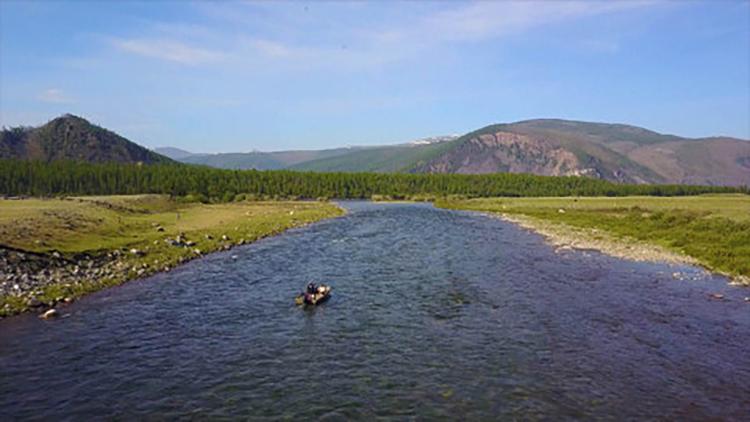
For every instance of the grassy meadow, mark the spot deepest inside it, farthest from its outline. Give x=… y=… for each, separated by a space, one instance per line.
x=712 y=229
x=133 y=235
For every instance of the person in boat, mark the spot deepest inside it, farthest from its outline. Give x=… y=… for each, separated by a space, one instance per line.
x=310 y=292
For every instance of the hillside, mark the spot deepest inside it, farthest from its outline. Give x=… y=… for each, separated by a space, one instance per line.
x=73 y=138
x=609 y=151
x=386 y=158
x=553 y=147
x=392 y=158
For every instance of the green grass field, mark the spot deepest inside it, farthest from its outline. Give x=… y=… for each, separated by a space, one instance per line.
x=98 y=226
x=94 y=224
x=713 y=229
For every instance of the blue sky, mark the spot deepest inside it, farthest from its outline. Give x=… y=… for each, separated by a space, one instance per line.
x=241 y=76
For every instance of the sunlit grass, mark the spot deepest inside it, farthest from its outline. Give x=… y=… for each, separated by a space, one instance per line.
x=99 y=226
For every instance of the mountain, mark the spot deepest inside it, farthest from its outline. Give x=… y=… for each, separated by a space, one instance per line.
x=388 y=158
x=614 y=152
x=174 y=153
x=260 y=160
x=73 y=138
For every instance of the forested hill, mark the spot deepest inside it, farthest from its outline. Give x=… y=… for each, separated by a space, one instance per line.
x=73 y=138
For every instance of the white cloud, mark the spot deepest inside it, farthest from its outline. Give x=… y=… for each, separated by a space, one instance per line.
x=55 y=96
x=271 y=48
x=487 y=20
x=273 y=33
x=169 y=50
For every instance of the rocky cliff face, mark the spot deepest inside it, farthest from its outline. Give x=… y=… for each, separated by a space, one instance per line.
x=506 y=152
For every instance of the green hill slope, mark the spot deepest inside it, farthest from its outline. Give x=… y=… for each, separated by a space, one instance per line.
x=395 y=158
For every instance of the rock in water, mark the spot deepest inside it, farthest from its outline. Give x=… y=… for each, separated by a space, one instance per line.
x=51 y=313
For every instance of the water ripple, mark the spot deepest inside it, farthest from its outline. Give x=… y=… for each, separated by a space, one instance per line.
x=435 y=314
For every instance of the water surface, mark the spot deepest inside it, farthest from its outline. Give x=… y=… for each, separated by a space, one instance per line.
x=434 y=314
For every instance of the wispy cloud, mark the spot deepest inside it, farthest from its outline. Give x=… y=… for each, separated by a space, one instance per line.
x=385 y=42
x=55 y=96
x=169 y=50
x=486 y=20
x=272 y=48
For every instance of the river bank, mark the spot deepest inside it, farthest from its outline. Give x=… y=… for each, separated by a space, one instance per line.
x=712 y=231
x=56 y=250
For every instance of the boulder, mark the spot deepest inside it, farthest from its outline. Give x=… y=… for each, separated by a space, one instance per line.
x=50 y=313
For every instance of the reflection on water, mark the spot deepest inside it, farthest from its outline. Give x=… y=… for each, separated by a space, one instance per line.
x=434 y=314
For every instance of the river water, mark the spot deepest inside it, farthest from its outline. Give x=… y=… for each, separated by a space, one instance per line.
x=434 y=314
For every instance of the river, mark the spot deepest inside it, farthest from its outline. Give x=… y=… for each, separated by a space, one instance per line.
x=434 y=314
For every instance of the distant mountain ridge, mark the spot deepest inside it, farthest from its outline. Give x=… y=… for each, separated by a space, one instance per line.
x=382 y=158
x=70 y=137
x=174 y=153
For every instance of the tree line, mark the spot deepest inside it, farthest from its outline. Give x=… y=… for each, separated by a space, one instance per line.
x=35 y=178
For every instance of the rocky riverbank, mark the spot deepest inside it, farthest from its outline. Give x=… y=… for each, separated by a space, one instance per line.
x=565 y=237
x=28 y=279
x=54 y=251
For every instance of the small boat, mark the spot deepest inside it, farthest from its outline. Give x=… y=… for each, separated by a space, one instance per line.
x=322 y=293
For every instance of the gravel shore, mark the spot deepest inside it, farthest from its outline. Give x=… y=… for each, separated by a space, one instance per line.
x=563 y=236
